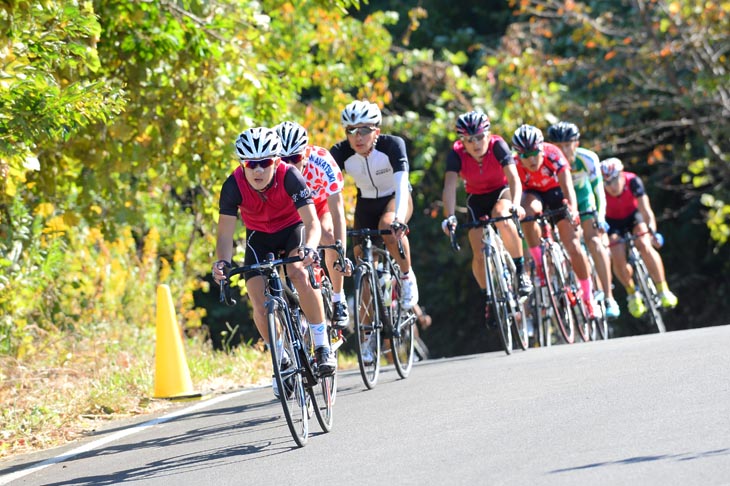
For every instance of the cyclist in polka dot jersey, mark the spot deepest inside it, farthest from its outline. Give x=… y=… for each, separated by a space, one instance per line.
x=325 y=181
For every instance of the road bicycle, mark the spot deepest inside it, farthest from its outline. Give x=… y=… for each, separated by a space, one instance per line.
x=504 y=307
x=557 y=292
x=291 y=344
x=643 y=281
x=379 y=309
x=599 y=327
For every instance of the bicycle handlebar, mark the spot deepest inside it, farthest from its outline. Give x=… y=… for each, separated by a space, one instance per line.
x=342 y=261
x=267 y=266
x=368 y=233
x=481 y=223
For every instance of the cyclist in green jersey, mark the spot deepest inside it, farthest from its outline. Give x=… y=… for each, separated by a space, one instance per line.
x=588 y=183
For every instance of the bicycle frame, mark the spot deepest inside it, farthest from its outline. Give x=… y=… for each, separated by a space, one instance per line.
x=643 y=281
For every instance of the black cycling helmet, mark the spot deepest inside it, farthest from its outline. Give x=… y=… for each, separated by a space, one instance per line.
x=527 y=139
x=563 y=132
x=472 y=123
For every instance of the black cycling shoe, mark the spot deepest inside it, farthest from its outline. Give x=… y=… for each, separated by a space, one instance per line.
x=326 y=361
x=524 y=285
x=340 y=315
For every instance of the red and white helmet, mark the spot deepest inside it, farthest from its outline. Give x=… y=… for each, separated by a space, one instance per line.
x=472 y=123
x=611 y=168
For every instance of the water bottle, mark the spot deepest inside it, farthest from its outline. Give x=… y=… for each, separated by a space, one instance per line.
x=659 y=238
x=385 y=283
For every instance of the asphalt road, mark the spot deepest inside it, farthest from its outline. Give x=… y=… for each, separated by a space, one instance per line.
x=649 y=410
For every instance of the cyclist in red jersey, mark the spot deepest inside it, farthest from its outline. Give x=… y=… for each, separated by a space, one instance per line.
x=485 y=163
x=546 y=180
x=628 y=210
x=277 y=209
x=326 y=182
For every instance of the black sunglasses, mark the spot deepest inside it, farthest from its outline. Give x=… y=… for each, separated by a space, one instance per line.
x=263 y=163
x=293 y=159
x=362 y=131
x=474 y=138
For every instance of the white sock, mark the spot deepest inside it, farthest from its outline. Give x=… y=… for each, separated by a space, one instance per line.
x=320 y=334
x=336 y=297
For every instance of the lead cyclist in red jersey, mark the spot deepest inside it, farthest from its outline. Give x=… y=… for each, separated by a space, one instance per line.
x=325 y=180
x=546 y=180
x=628 y=210
x=277 y=210
x=485 y=163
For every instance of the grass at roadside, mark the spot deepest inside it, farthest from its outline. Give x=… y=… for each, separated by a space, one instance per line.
x=67 y=391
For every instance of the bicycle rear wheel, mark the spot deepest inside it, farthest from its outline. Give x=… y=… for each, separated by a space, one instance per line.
x=499 y=309
x=287 y=366
x=583 y=323
x=600 y=323
x=322 y=390
x=556 y=285
x=650 y=294
x=367 y=325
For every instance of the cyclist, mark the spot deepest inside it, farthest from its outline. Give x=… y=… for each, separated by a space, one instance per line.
x=278 y=212
x=485 y=163
x=379 y=166
x=588 y=185
x=545 y=176
x=628 y=210
x=325 y=180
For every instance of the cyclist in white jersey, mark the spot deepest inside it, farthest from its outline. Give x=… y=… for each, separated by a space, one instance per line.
x=379 y=166
x=588 y=184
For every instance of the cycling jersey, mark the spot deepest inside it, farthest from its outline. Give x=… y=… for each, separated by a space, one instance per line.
x=546 y=176
x=322 y=175
x=485 y=175
x=270 y=210
x=383 y=172
x=626 y=203
x=588 y=182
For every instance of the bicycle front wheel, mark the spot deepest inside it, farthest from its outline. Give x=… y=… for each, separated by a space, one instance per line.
x=496 y=286
x=286 y=365
x=402 y=342
x=600 y=323
x=367 y=325
x=650 y=294
x=582 y=321
x=517 y=306
x=559 y=299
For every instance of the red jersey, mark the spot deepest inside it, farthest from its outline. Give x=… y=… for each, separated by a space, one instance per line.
x=626 y=203
x=271 y=210
x=546 y=177
x=324 y=178
x=485 y=175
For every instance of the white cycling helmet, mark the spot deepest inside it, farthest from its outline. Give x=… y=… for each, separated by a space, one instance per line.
x=293 y=137
x=361 y=112
x=611 y=168
x=258 y=143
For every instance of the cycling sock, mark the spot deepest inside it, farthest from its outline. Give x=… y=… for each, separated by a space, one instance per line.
x=586 y=287
x=336 y=297
x=320 y=336
x=662 y=287
x=519 y=264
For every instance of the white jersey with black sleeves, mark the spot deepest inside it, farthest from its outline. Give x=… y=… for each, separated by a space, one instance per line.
x=375 y=174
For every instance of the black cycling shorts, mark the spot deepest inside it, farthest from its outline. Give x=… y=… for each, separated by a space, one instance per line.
x=259 y=244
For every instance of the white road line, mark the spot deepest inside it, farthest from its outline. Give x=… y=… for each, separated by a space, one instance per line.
x=116 y=436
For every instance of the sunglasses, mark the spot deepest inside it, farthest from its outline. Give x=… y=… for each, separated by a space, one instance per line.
x=293 y=159
x=529 y=154
x=474 y=138
x=362 y=131
x=610 y=181
x=253 y=164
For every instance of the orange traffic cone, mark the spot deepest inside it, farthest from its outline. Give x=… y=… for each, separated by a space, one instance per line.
x=172 y=376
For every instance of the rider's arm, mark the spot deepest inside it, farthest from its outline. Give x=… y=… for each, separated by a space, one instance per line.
x=515 y=185
x=451 y=181
x=336 y=206
x=646 y=212
x=312 y=229
x=401 y=195
x=566 y=184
